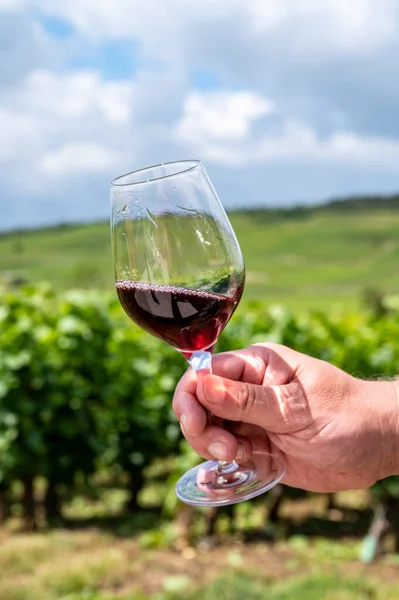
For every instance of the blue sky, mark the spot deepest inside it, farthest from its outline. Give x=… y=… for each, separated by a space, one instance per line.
x=284 y=101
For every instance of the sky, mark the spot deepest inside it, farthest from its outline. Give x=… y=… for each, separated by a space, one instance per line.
x=284 y=101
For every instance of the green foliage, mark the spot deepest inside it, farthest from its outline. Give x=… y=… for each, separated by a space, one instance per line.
x=136 y=419
x=82 y=390
x=52 y=366
x=386 y=487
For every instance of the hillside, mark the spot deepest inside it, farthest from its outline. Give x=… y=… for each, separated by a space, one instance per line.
x=303 y=257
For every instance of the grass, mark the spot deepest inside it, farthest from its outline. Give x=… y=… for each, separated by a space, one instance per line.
x=57 y=564
x=317 y=260
x=91 y=565
x=315 y=587
x=321 y=259
x=100 y=563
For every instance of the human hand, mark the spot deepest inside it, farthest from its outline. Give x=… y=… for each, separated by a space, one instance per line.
x=333 y=431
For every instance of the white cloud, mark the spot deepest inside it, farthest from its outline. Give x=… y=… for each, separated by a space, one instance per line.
x=355 y=25
x=24 y=45
x=46 y=112
x=298 y=143
x=16 y=128
x=11 y=5
x=336 y=23
x=78 y=157
x=321 y=53
x=300 y=84
x=220 y=115
x=75 y=95
x=109 y=19
x=64 y=132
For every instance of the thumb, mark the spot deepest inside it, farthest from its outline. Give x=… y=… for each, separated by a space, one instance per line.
x=278 y=409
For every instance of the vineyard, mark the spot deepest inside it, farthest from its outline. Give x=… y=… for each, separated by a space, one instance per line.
x=85 y=396
x=88 y=439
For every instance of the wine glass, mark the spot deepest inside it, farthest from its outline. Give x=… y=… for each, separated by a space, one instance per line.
x=180 y=275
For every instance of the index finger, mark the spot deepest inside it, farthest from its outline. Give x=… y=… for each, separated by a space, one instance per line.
x=190 y=413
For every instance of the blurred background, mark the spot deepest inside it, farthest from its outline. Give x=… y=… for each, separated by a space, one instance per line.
x=292 y=107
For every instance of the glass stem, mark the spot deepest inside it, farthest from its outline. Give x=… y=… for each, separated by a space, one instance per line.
x=201 y=362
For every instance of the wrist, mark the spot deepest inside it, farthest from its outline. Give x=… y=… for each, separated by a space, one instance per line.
x=395 y=425
x=385 y=396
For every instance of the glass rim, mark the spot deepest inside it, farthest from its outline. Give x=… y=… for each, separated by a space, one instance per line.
x=194 y=164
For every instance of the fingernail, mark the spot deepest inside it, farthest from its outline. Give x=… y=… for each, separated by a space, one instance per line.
x=218 y=450
x=241 y=452
x=185 y=424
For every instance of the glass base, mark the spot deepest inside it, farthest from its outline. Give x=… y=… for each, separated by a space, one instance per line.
x=219 y=484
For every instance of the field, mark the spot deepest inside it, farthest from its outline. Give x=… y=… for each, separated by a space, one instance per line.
x=314 y=258
x=303 y=259
x=93 y=563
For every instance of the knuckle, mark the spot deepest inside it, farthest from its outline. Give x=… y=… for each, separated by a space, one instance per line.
x=246 y=398
x=293 y=409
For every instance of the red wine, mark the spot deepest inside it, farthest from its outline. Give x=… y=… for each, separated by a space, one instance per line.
x=188 y=320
